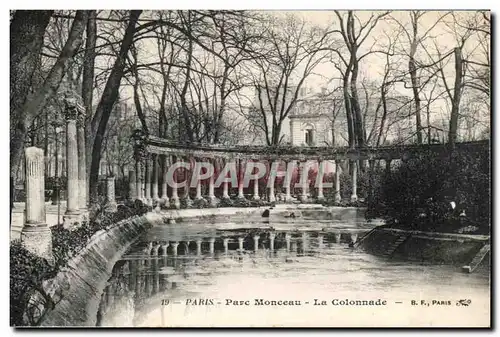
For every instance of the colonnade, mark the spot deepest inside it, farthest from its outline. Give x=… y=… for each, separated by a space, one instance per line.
x=148 y=182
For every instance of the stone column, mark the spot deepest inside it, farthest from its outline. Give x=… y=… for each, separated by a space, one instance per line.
x=388 y=166
x=175 y=245
x=240 y=180
x=175 y=197
x=354 y=195
x=211 y=243
x=132 y=181
x=211 y=189
x=354 y=238
x=36 y=236
x=198 y=190
x=225 y=189
x=164 y=187
x=338 y=197
x=72 y=213
x=321 y=171
x=240 y=244
x=338 y=237
x=303 y=181
x=371 y=164
x=165 y=248
x=272 y=236
x=226 y=245
x=110 y=194
x=256 y=195
x=271 y=178
x=82 y=166
x=154 y=188
x=256 y=243
x=305 y=247
x=198 y=247
x=138 y=180
x=288 y=194
x=147 y=189
x=288 y=238
x=185 y=195
x=320 y=241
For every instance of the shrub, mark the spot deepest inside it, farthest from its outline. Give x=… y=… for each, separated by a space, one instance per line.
x=430 y=182
x=28 y=271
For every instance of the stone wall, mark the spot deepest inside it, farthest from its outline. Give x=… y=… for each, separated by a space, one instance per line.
x=77 y=289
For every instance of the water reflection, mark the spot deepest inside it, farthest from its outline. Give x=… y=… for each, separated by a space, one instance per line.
x=167 y=265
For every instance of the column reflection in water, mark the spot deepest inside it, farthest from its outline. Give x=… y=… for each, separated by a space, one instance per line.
x=256 y=243
x=165 y=249
x=320 y=241
x=175 y=245
x=198 y=247
x=337 y=238
x=305 y=239
x=272 y=236
x=354 y=237
x=157 y=277
x=288 y=238
x=212 y=246
x=131 y=275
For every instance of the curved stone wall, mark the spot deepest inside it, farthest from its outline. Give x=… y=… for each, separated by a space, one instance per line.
x=77 y=289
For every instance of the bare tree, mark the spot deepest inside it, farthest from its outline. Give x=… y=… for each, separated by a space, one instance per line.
x=290 y=51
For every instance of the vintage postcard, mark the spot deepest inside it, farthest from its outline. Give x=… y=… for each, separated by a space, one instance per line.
x=226 y=168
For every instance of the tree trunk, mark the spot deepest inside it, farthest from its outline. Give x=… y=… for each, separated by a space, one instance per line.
x=348 y=111
x=88 y=81
x=26 y=41
x=108 y=99
x=415 y=87
x=50 y=85
x=455 y=104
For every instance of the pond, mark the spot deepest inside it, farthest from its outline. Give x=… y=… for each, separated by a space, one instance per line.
x=290 y=272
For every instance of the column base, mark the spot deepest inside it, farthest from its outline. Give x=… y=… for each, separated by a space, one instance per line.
x=226 y=196
x=213 y=201
x=288 y=198
x=165 y=203
x=149 y=201
x=71 y=219
x=338 y=198
x=272 y=198
x=84 y=215
x=176 y=202
x=111 y=207
x=38 y=240
x=303 y=198
x=256 y=197
x=320 y=198
x=188 y=201
x=354 y=198
x=240 y=197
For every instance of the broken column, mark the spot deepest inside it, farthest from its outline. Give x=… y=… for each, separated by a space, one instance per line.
x=35 y=235
x=132 y=192
x=110 y=194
